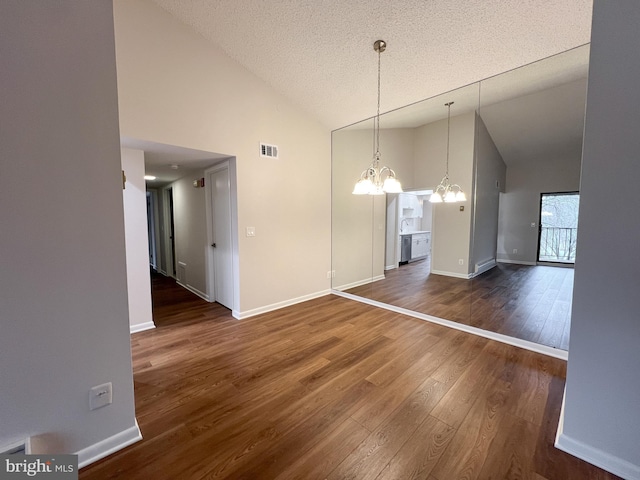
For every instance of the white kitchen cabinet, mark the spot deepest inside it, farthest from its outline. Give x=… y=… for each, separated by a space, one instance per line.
x=420 y=245
x=410 y=206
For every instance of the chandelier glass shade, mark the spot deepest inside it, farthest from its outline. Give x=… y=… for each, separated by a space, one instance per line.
x=446 y=191
x=377 y=180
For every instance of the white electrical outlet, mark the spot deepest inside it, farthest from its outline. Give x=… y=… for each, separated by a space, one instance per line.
x=333 y=274
x=329 y=274
x=461 y=261
x=251 y=231
x=100 y=396
x=515 y=250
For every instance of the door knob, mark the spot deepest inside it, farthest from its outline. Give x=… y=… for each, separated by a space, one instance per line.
x=213 y=245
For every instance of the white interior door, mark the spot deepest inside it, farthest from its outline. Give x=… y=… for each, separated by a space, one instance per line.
x=221 y=235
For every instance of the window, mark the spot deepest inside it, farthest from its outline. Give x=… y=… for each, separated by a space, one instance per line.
x=558 y=227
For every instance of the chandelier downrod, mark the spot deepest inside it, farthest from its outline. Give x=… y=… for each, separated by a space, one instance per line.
x=446 y=191
x=375 y=180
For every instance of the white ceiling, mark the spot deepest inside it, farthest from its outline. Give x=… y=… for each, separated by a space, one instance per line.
x=545 y=125
x=159 y=158
x=319 y=53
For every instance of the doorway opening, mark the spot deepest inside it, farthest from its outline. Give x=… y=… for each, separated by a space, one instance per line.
x=558 y=227
x=408 y=228
x=171 y=244
x=182 y=224
x=151 y=229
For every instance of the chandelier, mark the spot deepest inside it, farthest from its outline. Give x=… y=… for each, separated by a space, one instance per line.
x=446 y=191
x=376 y=180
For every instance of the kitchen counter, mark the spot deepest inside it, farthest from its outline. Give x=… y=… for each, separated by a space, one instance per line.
x=414 y=245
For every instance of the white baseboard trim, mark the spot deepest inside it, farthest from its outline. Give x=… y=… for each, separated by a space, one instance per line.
x=359 y=283
x=390 y=267
x=110 y=445
x=466 y=276
x=556 y=264
x=517 y=262
x=498 y=337
x=141 y=327
x=20 y=445
x=278 y=305
x=484 y=267
x=594 y=456
x=194 y=290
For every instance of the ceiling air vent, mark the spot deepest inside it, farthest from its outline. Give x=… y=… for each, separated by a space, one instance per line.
x=270 y=151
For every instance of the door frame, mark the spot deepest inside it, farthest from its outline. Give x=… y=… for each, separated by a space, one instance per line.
x=168 y=231
x=550 y=262
x=151 y=197
x=230 y=165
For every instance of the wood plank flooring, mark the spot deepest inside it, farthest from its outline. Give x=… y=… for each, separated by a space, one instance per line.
x=527 y=302
x=335 y=389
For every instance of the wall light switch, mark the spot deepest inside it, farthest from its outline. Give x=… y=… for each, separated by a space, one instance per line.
x=251 y=231
x=533 y=224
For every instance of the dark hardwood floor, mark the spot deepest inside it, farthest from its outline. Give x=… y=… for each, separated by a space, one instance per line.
x=336 y=389
x=527 y=302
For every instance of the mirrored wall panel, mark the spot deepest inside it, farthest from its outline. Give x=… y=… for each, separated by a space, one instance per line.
x=507 y=140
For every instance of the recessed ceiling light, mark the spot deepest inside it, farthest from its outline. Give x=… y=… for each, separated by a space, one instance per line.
x=149 y=177
x=174 y=166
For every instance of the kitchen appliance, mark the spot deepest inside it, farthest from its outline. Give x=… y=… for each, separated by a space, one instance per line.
x=405 y=249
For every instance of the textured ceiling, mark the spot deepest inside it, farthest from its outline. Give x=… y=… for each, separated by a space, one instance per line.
x=533 y=113
x=319 y=53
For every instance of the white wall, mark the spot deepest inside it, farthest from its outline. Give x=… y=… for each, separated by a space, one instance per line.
x=490 y=172
x=190 y=222
x=358 y=221
x=520 y=204
x=601 y=420
x=134 y=197
x=63 y=286
x=177 y=88
x=451 y=228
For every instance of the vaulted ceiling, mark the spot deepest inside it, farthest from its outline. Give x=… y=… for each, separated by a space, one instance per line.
x=319 y=53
